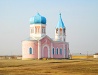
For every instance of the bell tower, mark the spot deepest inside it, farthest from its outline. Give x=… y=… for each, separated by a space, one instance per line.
x=60 y=30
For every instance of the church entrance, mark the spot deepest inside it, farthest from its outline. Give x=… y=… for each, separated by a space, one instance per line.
x=45 y=52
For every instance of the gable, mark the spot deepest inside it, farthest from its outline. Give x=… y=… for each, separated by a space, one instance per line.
x=46 y=40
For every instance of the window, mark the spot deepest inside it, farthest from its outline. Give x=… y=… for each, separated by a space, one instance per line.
x=37 y=30
x=60 y=31
x=57 y=30
x=64 y=30
x=42 y=30
x=30 y=50
x=53 y=51
x=57 y=51
x=60 y=51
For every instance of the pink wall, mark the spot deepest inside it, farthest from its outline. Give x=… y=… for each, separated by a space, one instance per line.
x=45 y=45
x=58 y=45
x=25 y=49
x=47 y=41
x=67 y=49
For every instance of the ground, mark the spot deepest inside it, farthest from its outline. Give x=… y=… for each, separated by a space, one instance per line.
x=49 y=67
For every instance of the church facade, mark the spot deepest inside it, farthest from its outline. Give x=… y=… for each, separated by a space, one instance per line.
x=39 y=45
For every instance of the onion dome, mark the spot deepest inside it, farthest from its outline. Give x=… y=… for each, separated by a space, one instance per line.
x=60 y=22
x=37 y=19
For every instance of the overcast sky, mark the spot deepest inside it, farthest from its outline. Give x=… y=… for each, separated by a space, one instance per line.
x=79 y=16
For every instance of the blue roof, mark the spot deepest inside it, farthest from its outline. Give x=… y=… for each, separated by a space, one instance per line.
x=37 y=19
x=60 y=23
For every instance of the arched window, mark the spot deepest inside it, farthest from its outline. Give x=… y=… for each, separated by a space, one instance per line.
x=60 y=31
x=64 y=30
x=30 y=50
x=60 y=51
x=57 y=30
x=42 y=30
x=57 y=51
x=53 y=51
x=37 y=30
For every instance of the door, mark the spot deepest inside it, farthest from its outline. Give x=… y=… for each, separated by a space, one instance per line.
x=45 y=52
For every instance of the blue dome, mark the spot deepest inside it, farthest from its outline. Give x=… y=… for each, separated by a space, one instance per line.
x=37 y=19
x=60 y=23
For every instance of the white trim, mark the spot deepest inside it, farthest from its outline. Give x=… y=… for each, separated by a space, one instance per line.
x=67 y=51
x=56 y=51
x=63 y=50
x=38 y=30
x=52 y=50
x=31 y=25
x=39 y=50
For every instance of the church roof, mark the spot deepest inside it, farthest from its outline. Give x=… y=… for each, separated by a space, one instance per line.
x=37 y=19
x=40 y=38
x=60 y=22
x=35 y=38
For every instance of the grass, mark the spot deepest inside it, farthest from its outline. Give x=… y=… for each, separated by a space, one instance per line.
x=81 y=57
x=49 y=67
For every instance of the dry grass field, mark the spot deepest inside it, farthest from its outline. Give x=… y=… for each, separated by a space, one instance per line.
x=49 y=67
x=82 y=57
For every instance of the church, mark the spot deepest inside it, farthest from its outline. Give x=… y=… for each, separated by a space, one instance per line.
x=39 y=45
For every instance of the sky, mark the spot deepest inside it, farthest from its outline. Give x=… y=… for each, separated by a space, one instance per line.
x=80 y=18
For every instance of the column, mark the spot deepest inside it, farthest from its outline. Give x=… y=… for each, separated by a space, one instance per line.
x=51 y=50
x=58 y=34
x=67 y=50
x=39 y=49
x=48 y=52
x=63 y=50
x=41 y=31
x=34 y=29
x=62 y=34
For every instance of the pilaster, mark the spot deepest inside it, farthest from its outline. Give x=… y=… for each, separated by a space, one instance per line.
x=51 y=50
x=64 y=51
x=39 y=49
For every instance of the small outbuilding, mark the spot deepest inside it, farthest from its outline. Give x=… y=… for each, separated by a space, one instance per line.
x=96 y=55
